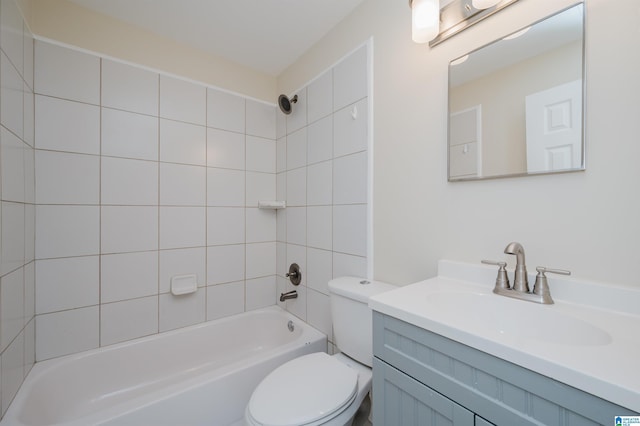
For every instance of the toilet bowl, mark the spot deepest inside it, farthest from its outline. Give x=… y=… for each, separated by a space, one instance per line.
x=322 y=389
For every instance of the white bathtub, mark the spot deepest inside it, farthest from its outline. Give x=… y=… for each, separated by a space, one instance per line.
x=199 y=375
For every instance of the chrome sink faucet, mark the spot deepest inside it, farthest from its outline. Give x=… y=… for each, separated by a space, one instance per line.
x=520 y=289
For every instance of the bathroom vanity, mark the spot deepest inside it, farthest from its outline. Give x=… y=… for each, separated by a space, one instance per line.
x=449 y=351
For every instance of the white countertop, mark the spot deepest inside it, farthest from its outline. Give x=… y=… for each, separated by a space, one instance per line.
x=603 y=360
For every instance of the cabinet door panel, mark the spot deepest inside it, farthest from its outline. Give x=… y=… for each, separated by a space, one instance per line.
x=399 y=400
x=482 y=422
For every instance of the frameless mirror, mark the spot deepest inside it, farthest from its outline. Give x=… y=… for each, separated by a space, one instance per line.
x=516 y=105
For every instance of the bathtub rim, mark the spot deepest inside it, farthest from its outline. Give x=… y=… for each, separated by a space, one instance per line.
x=12 y=416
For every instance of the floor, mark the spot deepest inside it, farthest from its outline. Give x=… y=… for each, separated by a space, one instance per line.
x=362 y=416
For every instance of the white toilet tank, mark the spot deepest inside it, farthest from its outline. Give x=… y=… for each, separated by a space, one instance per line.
x=352 y=317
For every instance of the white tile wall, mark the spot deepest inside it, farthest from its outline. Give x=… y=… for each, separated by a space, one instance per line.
x=261 y=154
x=261 y=260
x=12 y=365
x=319 y=268
x=128 y=228
x=320 y=97
x=225 y=149
x=319 y=312
x=181 y=311
x=128 y=276
x=182 y=185
x=11 y=33
x=67 y=74
x=225 y=264
x=65 y=231
x=64 y=125
x=260 y=225
x=11 y=96
x=261 y=292
x=260 y=119
x=322 y=170
x=349 y=134
x=225 y=299
x=13 y=236
x=260 y=186
x=297 y=225
x=174 y=173
x=11 y=306
x=183 y=143
x=350 y=179
x=297 y=149
x=225 y=111
x=225 y=225
x=182 y=100
x=12 y=166
x=297 y=187
x=320 y=140
x=320 y=184
x=182 y=262
x=319 y=227
x=225 y=187
x=17 y=198
x=66 y=332
x=182 y=227
x=129 y=182
x=128 y=320
x=66 y=178
x=350 y=79
x=298 y=117
x=67 y=283
x=350 y=229
x=129 y=135
x=129 y=88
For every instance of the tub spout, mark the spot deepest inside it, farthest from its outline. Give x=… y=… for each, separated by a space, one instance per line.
x=288 y=295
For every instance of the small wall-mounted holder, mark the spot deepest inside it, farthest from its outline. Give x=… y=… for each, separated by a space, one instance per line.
x=294 y=274
x=184 y=284
x=460 y=15
x=272 y=205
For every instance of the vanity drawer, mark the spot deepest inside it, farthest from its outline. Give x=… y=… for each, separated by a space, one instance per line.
x=495 y=389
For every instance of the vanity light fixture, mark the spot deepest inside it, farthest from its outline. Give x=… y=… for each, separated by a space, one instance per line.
x=458 y=15
x=425 y=20
x=484 y=4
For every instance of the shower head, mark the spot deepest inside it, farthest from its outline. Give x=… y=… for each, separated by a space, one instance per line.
x=285 y=103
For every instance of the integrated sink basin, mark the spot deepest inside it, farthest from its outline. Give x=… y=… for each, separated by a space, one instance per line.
x=514 y=318
x=587 y=339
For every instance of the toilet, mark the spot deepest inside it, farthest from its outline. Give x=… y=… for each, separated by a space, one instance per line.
x=322 y=389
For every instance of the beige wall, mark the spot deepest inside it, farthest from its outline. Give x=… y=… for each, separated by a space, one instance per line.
x=502 y=96
x=586 y=222
x=68 y=23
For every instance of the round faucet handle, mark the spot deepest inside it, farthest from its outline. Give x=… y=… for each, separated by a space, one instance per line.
x=543 y=269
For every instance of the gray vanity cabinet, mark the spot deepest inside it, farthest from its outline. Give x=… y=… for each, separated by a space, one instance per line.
x=408 y=402
x=421 y=378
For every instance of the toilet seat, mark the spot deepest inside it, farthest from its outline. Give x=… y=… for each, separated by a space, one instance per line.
x=308 y=390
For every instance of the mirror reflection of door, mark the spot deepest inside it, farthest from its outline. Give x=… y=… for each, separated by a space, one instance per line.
x=554 y=128
x=465 y=143
x=500 y=76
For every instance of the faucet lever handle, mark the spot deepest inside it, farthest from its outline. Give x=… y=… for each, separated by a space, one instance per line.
x=495 y=262
x=541 y=287
x=543 y=269
x=502 y=280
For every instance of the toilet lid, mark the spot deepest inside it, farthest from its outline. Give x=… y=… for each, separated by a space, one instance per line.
x=303 y=390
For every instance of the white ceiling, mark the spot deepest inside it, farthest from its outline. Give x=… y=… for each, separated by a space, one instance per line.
x=267 y=35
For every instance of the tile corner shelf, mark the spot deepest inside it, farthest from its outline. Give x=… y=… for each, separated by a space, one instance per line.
x=273 y=205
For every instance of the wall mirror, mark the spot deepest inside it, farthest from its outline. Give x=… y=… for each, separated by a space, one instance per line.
x=516 y=106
